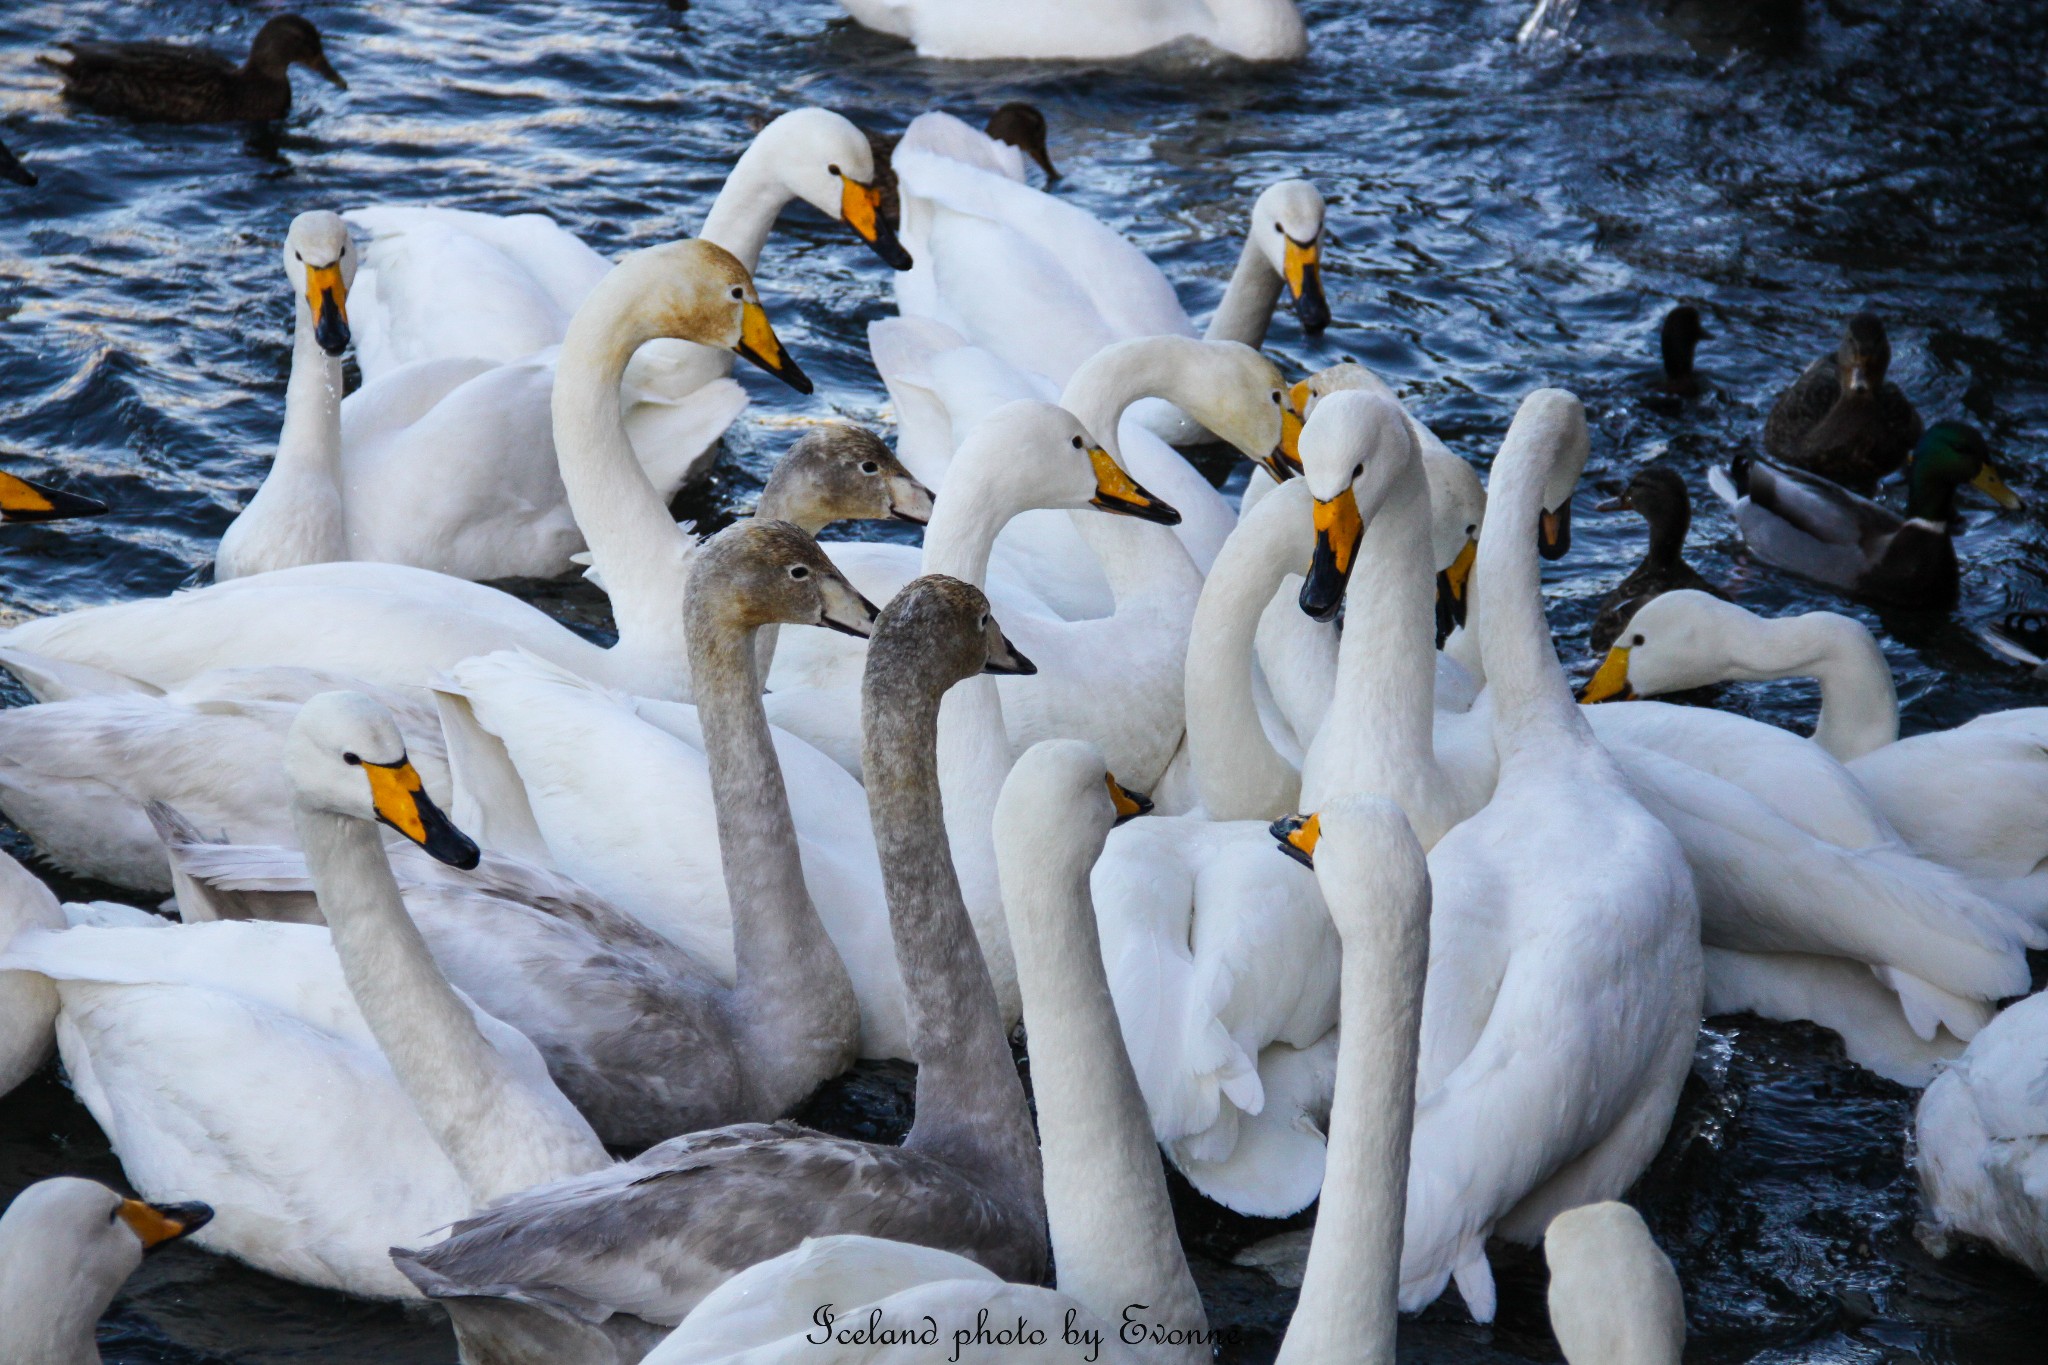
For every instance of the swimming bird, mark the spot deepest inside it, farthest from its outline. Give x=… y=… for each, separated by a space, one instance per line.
x=66 y=1248
x=1676 y=341
x=1021 y=125
x=12 y=169
x=974 y=30
x=1822 y=531
x=172 y=83
x=1657 y=493
x=1842 y=419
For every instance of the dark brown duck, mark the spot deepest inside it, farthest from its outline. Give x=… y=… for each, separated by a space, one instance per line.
x=1842 y=419
x=175 y=83
x=1019 y=124
x=1659 y=495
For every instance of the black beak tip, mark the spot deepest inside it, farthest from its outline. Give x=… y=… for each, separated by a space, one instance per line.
x=792 y=375
x=333 y=337
x=454 y=848
x=1138 y=799
x=1557 y=548
x=1280 y=830
x=1313 y=310
x=189 y=1217
x=62 y=505
x=890 y=250
x=1016 y=665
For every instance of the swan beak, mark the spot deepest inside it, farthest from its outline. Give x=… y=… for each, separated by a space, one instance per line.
x=1299 y=397
x=1554 y=535
x=327 y=296
x=1298 y=835
x=402 y=803
x=1610 y=680
x=1005 y=659
x=861 y=208
x=845 y=610
x=155 y=1224
x=1339 y=528
x=1116 y=491
x=21 y=500
x=909 y=500
x=1305 y=285
x=1285 y=461
x=1129 y=804
x=759 y=344
x=1452 y=582
x=1988 y=483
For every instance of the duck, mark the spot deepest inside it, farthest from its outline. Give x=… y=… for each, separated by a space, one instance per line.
x=647 y=1037
x=967 y=1179
x=1841 y=419
x=1108 y=1215
x=395 y=625
x=1657 y=492
x=1677 y=339
x=67 y=1245
x=1978 y=1142
x=12 y=170
x=1970 y=797
x=1252 y=30
x=172 y=83
x=1822 y=531
x=1018 y=124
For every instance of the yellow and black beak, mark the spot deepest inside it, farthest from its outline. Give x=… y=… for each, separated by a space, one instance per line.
x=1298 y=835
x=1992 y=486
x=1554 y=532
x=155 y=1224
x=1116 y=491
x=861 y=208
x=1304 y=273
x=759 y=344
x=1451 y=588
x=1610 y=680
x=1339 y=528
x=1129 y=804
x=21 y=500
x=402 y=803
x=327 y=297
x=1285 y=461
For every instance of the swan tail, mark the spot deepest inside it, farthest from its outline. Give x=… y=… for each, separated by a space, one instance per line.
x=49 y=679
x=490 y=799
x=1474 y=1278
x=1928 y=1008
x=1723 y=486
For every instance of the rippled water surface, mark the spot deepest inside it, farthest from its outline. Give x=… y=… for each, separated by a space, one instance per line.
x=1504 y=218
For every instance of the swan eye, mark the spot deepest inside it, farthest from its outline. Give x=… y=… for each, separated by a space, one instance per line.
x=1471 y=531
x=799 y=572
x=298 y=257
x=1278 y=228
x=1077 y=443
x=1636 y=642
x=738 y=292
x=870 y=467
x=352 y=760
x=1357 y=470
x=1276 y=397
x=836 y=171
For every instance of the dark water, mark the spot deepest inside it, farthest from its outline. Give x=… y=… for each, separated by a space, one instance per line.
x=1504 y=219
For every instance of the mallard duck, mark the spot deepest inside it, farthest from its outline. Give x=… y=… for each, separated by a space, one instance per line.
x=1842 y=419
x=1802 y=522
x=175 y=83
x=1017 y=123
x=12 y=169
x=1678 y=340
x=1658 y=493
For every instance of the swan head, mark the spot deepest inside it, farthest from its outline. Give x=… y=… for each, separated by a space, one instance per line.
x=320 y=261
x=1287 y=225
x=693 y=290
x=824 y=160
x=1556 y=419
x=1028 y=455
x=86 y=1241
x=1687 y=638
x=936 y=632
x=841 y=472
x=758 y=573
x=1457 y=513
x=345 y=756
x=1353 y=448
x=1366 y=858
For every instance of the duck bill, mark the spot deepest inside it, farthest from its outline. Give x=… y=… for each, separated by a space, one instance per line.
x=860 y=207
x=1610 y=680
x=759 y=344
x=1338 y=531
x=1452 y=583
x=21 y=500
x=1304 y=272
x=402 y=803
x=1859 y=380
x=845 y=610
x=327 y=297
x=1298 y=836
x=156 y=1224
x=1005 y=660
x=1116 y=491
x=323 y=67
x=1988 y=483
x=909 y=500
x=1554 y=533
x=1129 y=804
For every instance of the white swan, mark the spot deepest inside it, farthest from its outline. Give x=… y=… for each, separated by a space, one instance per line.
x=1980 y=1141
x=66 y=1248
x=1113 y=1234
x=396 y=626
x=1974 y=797
x=970 y=30
x=1614 y=1298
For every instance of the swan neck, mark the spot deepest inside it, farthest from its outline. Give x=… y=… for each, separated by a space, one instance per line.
x=311 y=435
x=48 y=1310
x=747 y=205
x=1138 y=558
x=1248 y=301
x=975 y=757
x=1531 y=699
x=1859 y=702
x=1239 y=774
x=965 y=522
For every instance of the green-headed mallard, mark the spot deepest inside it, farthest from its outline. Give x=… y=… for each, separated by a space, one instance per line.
x=174 y=83
x=1804 y=523
x=1842 y=420
x=1658 y=493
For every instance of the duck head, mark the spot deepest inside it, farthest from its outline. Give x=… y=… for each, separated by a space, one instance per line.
x=1949 y=456
x=1023 y=127
x=320 y=261
x=1287 y=227
x=288 y=41
x=1863 y=356
x=346 y=757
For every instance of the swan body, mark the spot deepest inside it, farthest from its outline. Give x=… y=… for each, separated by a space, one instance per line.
x=971 y=30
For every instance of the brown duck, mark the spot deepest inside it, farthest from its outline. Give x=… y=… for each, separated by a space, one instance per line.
x=173 y=83
x=1658 y=494
x=1842 y=420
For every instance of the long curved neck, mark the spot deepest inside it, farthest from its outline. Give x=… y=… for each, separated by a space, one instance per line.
x=1859 y=703
x=748 y=203
x=297 y=516
x=966 y=519
x=1248 y=301
x=47 y=1312
x=637 y=548
x=1350 y=1289
x=970 y=1104
x=1113 y=1235
x=975 y=756
x=1239 y=775
x=792 y=997
x=500 y=1135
